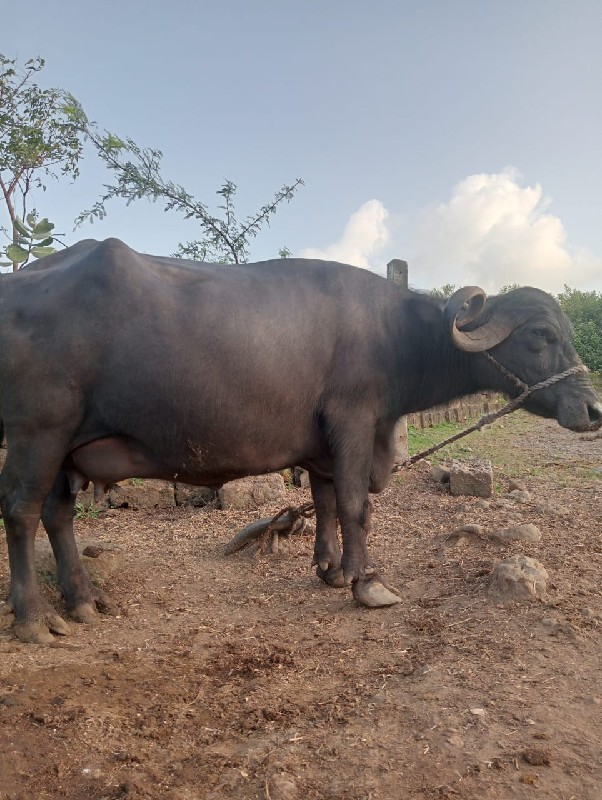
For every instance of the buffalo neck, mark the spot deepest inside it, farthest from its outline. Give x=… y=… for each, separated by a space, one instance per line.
x=429 y=369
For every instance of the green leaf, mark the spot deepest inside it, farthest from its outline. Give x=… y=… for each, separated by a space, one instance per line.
x=31 y=218
x=6 y=263
x=20 y=226
x=16 y=254
x=45 y=242
x=42 y=229
x=40 y=252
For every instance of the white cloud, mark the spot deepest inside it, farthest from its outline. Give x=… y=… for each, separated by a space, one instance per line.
x=494 y=232
x=365 y=234
x=491 y=232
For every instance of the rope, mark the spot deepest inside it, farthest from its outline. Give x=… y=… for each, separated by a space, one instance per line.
x=307 y=509
x=487 y=419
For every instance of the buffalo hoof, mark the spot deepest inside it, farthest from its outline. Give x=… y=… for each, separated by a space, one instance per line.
x=40 y=631
x=84 y=612
x=372 y=593
x=333 y=576
x=87 y=611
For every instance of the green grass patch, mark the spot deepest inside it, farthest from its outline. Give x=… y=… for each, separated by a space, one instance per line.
x=422 y=438
x=84 y=511
x=503 y=443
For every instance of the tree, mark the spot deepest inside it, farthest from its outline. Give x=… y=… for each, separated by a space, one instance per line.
x=137 y=175
x=443 y=292
x=40 y=138
x=584 y=309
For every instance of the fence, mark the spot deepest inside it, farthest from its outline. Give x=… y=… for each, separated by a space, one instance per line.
x=461 y=410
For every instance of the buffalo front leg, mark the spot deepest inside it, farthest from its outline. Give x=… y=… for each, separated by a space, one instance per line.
x=81 y=598
x=327 y=550
x=354 y=509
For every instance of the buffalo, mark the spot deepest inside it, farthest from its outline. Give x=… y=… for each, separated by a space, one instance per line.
x=117 y=365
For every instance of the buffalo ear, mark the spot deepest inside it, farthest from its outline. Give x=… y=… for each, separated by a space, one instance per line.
x=465 y=307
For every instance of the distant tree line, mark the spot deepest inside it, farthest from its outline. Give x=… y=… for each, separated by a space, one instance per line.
x=584 y=309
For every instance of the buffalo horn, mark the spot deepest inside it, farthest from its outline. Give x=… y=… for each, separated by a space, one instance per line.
x=462 y=308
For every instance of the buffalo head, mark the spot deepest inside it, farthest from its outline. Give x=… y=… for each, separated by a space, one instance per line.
x=528 y=333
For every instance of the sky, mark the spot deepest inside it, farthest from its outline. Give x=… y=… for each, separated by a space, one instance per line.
x=464 y=137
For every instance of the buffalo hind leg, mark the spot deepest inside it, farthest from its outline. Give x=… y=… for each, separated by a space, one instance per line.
x=327 y=550
x=81 y=598
x=25 y=481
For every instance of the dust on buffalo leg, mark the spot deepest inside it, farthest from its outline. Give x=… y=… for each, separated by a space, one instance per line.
x=81 y=598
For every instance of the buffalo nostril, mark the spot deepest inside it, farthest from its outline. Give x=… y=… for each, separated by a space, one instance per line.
x=595 y=414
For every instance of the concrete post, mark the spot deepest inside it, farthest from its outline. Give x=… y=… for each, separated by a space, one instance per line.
x=397 y=271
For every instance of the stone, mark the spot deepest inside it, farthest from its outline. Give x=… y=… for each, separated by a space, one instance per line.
x=440 y=473
x=517 y=484
x=552 y=510
x=197 y=496
x=252 y=492
x=461 y=537
x=301 y=478
x=520 y=496
x=471 y=477
x=503 y=502
x=138 y=494
x=519 y=578
x=101 y=560
x=519 y=533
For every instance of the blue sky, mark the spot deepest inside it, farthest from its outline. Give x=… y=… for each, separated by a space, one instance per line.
x=463 y=136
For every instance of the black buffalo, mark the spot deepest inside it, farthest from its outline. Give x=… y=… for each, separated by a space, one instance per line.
x=116 y=365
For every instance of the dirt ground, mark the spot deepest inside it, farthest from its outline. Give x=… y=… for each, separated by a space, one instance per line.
x=246 y=677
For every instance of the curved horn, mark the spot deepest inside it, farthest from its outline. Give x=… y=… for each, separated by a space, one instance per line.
x=462 y=308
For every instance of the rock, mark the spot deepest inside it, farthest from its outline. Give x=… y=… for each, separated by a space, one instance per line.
x=519 y=578
x=472 y=477
x=520 y=496
x=249 y=493
x=440 y=473
x=551 y=510
x=101 y=560
x=503 y=503
x=483 y=504
x=518 y=485
x=141 y=494
x=301 y=478
x=520 y=533
x=536 y=757
x=462 y=536
x=197 y=496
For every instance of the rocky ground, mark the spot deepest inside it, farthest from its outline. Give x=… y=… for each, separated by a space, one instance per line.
x=245 y=677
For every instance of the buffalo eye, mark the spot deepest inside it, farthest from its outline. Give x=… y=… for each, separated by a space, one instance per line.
x=542 y=335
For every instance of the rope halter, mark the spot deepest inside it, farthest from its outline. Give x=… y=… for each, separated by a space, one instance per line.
x=510 y=406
